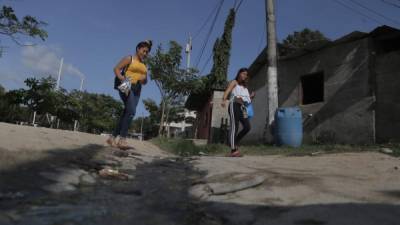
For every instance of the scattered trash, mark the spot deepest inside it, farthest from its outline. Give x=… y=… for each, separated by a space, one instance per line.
x=316 y=153
x=113 y=174
x=202 y=153
x=386 y=150
x=193 y=158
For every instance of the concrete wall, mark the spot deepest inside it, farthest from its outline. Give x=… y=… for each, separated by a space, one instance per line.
x=388 y=97
x=257 y=123
x=213 y=120
x=345 y=115
x=220 y=119
x=203 y=127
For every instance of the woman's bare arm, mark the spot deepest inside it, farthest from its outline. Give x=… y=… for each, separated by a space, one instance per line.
x=117 y=69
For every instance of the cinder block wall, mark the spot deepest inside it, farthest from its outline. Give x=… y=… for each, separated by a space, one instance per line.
x=388 y=97
x=345 y=115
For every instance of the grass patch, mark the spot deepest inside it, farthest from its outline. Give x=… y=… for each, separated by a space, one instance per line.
x=184 y=148
x=396 y=152
x=395 y=147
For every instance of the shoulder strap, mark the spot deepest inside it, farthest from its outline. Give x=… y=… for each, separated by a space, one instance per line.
x=127 y=66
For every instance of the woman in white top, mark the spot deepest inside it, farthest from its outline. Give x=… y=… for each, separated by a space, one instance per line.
x=239 y=98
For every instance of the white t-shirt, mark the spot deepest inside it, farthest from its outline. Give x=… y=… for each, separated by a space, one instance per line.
x=241 y=92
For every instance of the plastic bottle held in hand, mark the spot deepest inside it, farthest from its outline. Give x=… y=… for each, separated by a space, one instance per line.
x=125 y=86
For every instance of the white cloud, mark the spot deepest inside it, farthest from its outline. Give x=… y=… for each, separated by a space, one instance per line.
x=46 y=60
x=11 y=80
x=73 y=70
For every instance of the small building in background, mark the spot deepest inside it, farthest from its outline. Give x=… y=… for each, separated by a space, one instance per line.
x=212 y=119
x=183 y=128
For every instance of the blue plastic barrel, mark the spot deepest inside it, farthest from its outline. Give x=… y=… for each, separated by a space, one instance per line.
x=289 y=126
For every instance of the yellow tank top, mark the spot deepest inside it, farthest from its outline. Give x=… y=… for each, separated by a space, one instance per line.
x=136 y=71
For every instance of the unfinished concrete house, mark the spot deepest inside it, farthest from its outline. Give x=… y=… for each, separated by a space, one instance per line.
x=348 y=89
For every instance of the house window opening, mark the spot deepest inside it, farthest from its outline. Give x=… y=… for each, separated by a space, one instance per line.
x=312 y=88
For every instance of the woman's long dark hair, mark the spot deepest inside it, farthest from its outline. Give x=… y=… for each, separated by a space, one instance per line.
x=244 y=82
x=147 y=43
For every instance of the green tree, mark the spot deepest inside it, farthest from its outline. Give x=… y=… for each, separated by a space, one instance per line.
x=2 y=90
x=150 y=129
x=172 y=81
x=40 y=95
x=299 y=40
x=13 y=27
x=97 y=112
x=154 y=110
x=221 y=54
x=11 y=109
x=2 y=100
x=176 y=111
x=219 y=71
x=67 y=107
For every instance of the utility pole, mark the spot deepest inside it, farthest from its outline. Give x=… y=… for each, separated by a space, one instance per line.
x=59 y=74
x=272 y=72
x=141 y=128
x=57 y=88
x=80 y=89
x=188 y=51
x=34 y=118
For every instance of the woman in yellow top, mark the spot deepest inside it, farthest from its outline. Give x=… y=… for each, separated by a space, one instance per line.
x=136 y=71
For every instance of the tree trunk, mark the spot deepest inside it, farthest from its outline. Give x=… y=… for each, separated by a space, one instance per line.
x=166 y=121
x=162 y=117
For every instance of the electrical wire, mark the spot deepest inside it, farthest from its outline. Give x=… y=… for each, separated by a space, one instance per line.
x=209 y=33
x=206 y=21
x=375 y=12
x=358 y=12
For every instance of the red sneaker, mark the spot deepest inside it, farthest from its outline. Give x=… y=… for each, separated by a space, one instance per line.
x=235 y=154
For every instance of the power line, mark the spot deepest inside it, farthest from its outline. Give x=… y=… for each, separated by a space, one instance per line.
x=391 y=3
x=209 y=33
x=358 y=12
x=238 y=6
x=208 y=61
x=375 y=12
x=206 y=21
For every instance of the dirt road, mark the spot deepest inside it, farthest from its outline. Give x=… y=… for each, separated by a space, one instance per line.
x=52 y=177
